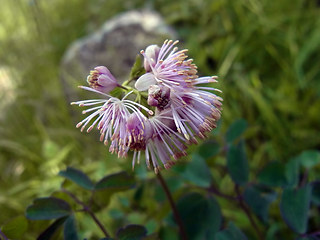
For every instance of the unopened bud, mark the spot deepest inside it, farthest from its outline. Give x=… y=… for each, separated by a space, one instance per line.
x=102 y=80
x=159 y=96
x=151 y=54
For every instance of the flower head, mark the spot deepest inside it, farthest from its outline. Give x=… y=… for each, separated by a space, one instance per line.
x=168 y=67
x=184 y=110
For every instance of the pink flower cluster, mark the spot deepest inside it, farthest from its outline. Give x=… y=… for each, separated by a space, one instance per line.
x=161 y=115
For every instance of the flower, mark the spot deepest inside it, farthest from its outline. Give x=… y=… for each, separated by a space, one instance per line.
x=168 y=67
x=183 y=109
x=111 y=118
x=172 y=82
x=102 y=80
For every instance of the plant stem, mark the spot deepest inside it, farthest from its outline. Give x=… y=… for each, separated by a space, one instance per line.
x=316 y=233
x=88 y=210
x=2 y=235
x=216 y=191
x=247 y=212
x=177 y=217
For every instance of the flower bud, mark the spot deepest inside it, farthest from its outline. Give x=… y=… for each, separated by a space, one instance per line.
x=102 y=80
x=151 y=54
x=159 y=96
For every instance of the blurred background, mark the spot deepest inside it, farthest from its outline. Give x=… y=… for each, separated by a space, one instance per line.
x=266 y=54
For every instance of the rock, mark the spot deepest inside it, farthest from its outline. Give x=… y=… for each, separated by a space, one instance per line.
x=115 y=45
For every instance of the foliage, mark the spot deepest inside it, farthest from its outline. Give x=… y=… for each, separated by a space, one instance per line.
x=266 y=166
x=207 y=210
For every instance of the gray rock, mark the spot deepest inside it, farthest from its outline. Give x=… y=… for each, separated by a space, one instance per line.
x=115 y=46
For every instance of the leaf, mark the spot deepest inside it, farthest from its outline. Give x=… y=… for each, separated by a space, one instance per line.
x=230 y=233
x=309 y=158
x=48 y=208
x=273 y=230
x=77 y=177
x=273 y=175
x=214 y=219
x=236 y=129
x=294 y=208
x=198 y=172
x=137 y=70
x=292 y=169
x=52 y=229
x=237 y=163
x=259 y=200
x=201 y=216
x=167 y=232
x=132 y=232
x=15 y=228
x=209 y=149
x=70 y=229
x=118 y=181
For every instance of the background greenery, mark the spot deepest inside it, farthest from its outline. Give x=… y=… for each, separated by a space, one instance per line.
x=266 y=54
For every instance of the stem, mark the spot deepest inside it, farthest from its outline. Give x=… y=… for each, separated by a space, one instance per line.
x=4 y=236
x=304 y=179
x=316 y=233
x=216 y=191
x=173 y=207
x=247 y=212
x=88 y=210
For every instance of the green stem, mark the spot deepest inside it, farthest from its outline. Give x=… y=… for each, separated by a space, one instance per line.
x=173 y=207
x=88 y=210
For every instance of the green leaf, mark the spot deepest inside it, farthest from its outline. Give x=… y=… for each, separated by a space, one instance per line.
x=273 y=175
x=237 y=163
x=52 y=229
x=198 y=172
x=167 y=232
x=230 y=233
x=273 y=230
x=132 y=232
x=78 y=177
x=201 y=216
x=137 y=70
x=214 y=219
x=118 y=181
x=209 y=149
x=259 y=200
x=309 y=158
x=236 y=129
x=292 y=169
x=70 y=229
x=294 y=208
x=316 y=193
x=15 y=228
x=48 y=208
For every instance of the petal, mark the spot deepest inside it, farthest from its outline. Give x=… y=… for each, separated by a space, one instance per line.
x=102 y=70
x=105 y=80
x=145 y=81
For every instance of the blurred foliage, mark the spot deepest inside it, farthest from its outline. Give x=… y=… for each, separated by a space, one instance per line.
x=266 y=55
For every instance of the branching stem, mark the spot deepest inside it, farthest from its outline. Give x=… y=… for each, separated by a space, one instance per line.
x=173 y=207
x=247 y=212
x=88 y=210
